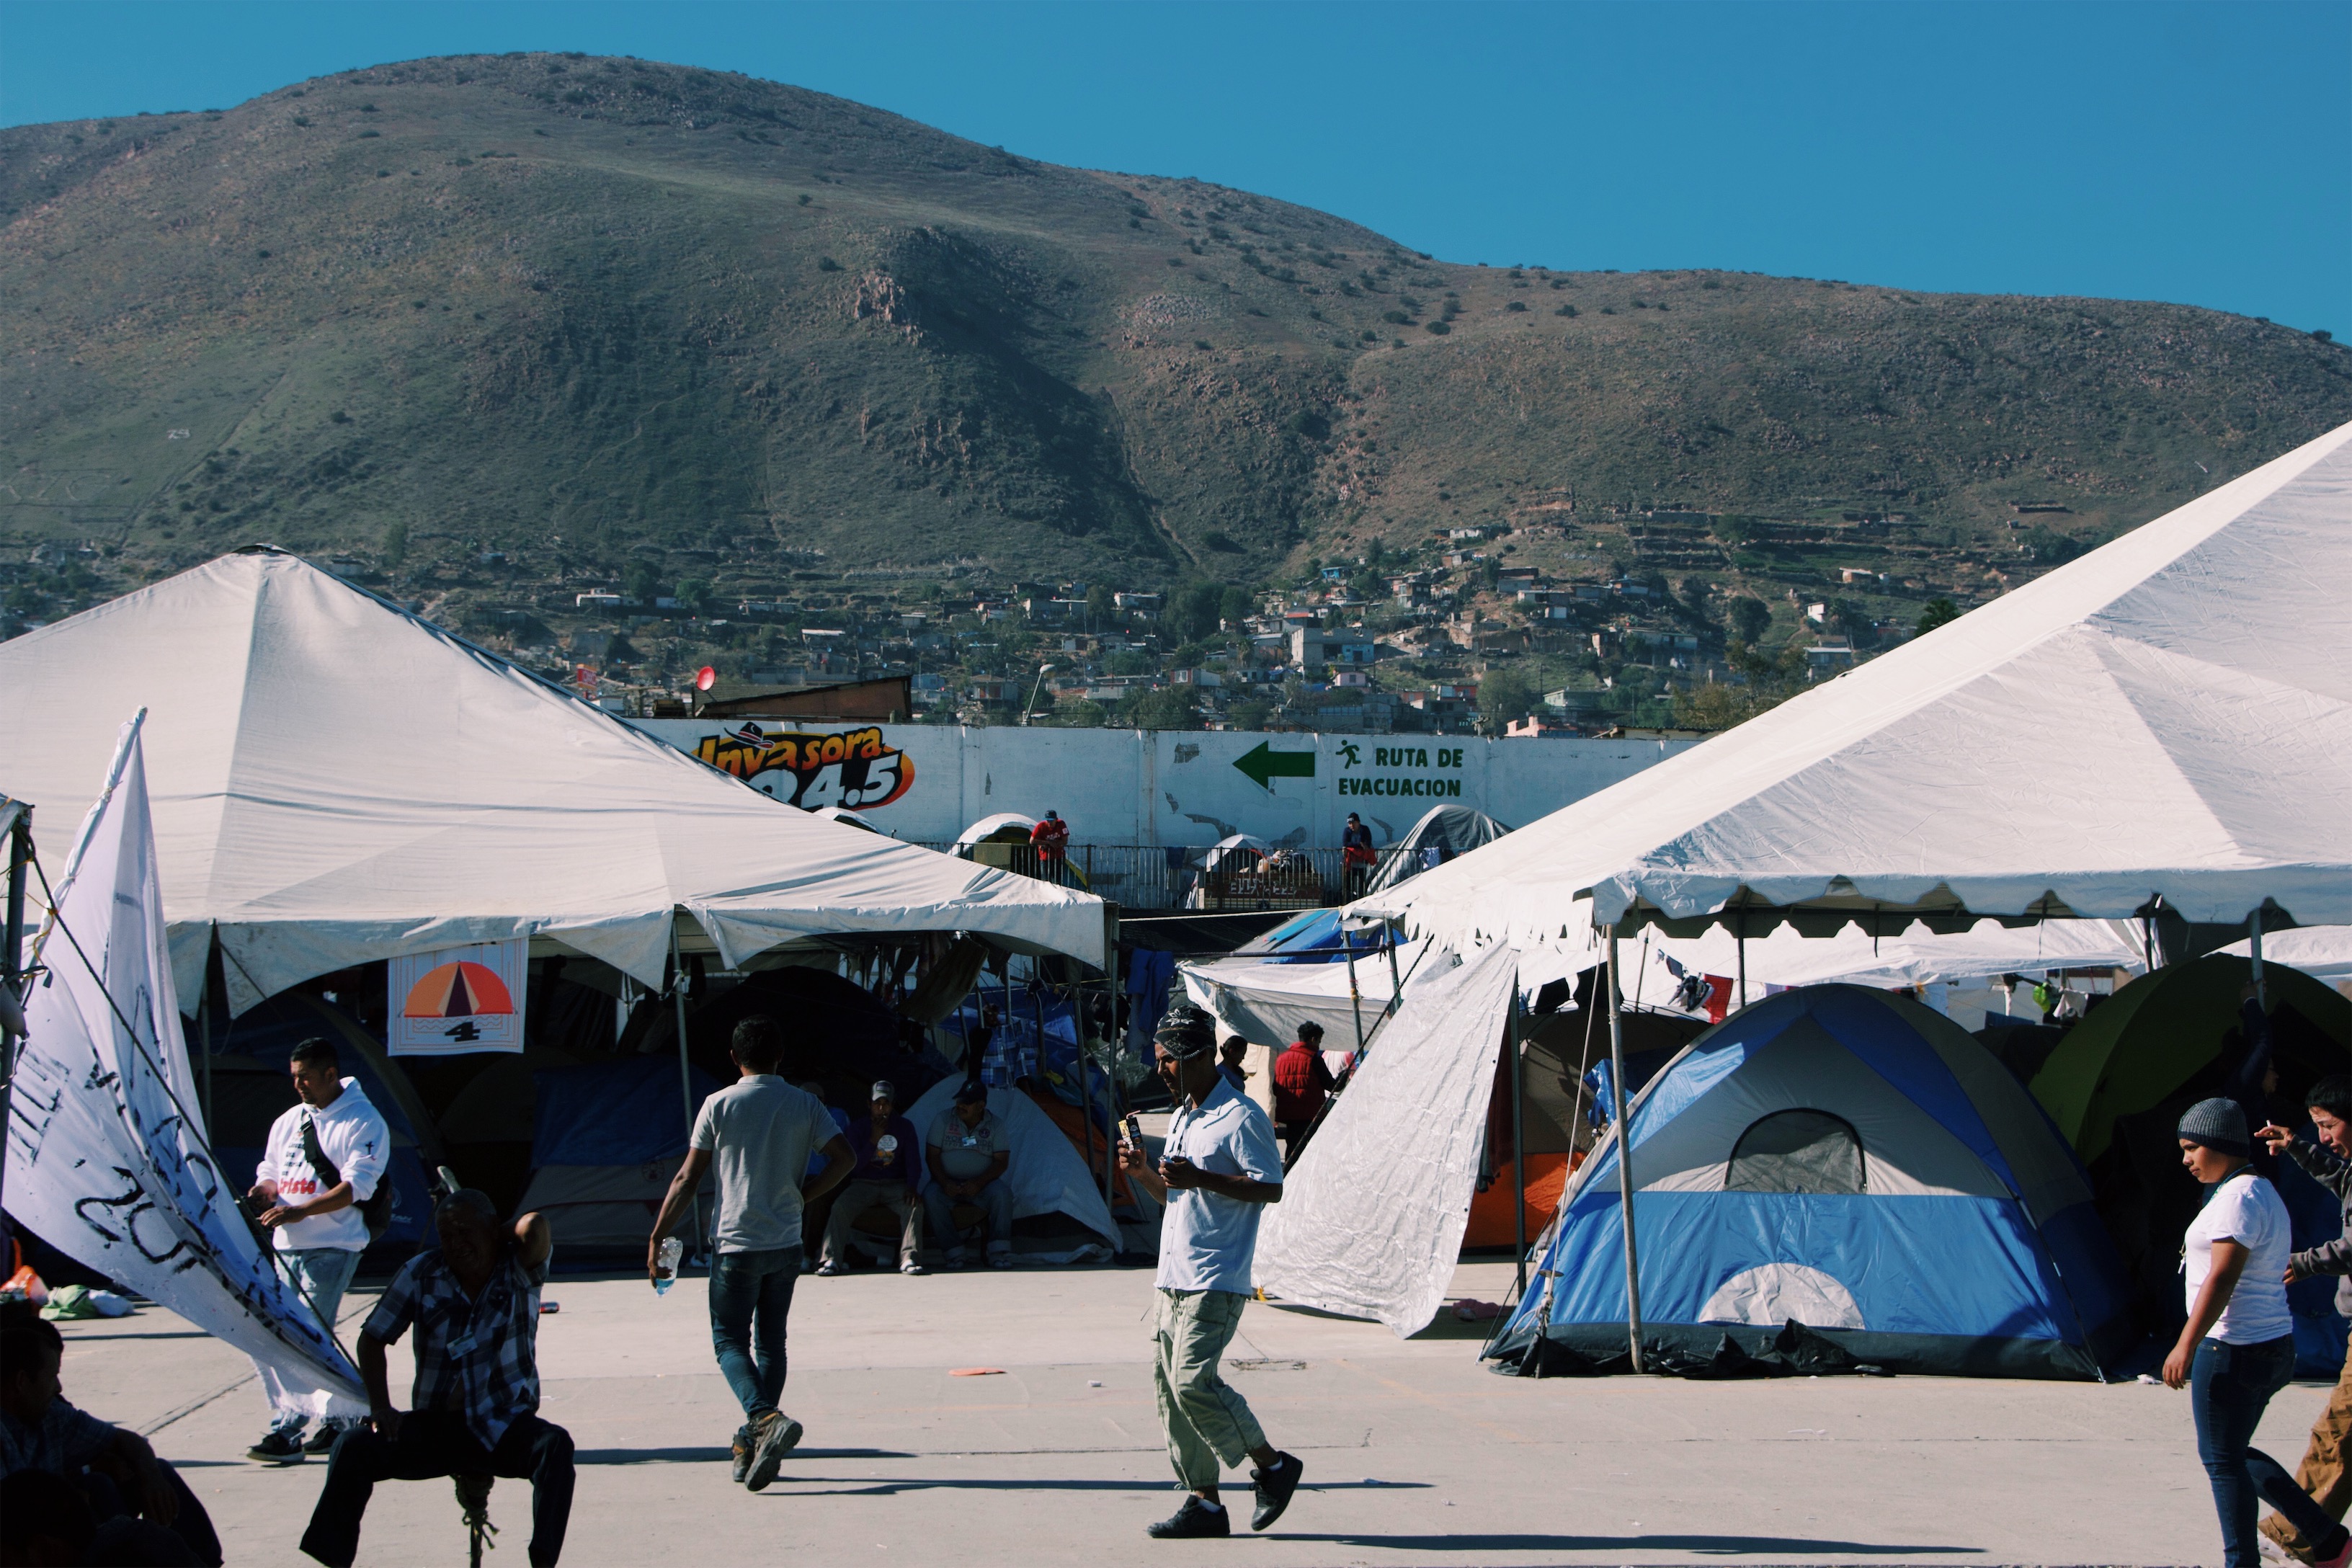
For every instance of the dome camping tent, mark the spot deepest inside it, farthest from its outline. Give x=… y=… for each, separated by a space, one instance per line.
x=1833 y=1177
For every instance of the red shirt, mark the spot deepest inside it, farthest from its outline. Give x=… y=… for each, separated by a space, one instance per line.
x=1050 y=837
x=1301 y=1079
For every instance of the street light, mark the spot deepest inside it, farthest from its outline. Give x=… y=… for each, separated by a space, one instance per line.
x=1043 y=671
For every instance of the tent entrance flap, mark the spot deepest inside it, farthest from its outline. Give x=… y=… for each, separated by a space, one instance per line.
x=1373 y=1216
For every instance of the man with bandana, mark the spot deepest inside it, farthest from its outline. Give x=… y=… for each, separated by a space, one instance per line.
x=1218 y=1167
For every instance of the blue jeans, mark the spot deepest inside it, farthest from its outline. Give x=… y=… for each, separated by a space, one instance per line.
x=750 y=1289
x=319 y=1274
x=2229 y=1385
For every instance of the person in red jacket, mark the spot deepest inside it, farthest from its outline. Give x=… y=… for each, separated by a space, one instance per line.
x=1051 y=841
x=1301 y=1079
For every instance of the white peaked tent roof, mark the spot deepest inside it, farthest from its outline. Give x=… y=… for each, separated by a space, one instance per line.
x=2190 y=685
x=335 y=781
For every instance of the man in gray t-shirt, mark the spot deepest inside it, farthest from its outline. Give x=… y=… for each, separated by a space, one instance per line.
x=966 y=1154
x=759 y=1131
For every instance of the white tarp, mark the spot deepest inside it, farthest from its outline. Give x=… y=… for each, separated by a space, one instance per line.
x=1264 y=1000
x=338 y=782
x=2324 y=953
x=2189 y=687
x=1046 y=1172
x=1373 y=1216
x=1904 y=954
x=106 y=1147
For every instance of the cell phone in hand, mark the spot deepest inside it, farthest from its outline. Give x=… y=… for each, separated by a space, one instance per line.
x=1134 y=1129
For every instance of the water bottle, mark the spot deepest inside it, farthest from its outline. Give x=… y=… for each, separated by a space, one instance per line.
x=665 y=1265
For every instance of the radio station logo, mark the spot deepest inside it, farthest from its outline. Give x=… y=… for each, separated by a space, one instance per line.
x=855 y=768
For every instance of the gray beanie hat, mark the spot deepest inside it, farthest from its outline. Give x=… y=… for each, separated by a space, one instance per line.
x=2220 y=1125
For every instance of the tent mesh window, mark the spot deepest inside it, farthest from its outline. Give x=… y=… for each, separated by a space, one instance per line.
x=1796 y=1151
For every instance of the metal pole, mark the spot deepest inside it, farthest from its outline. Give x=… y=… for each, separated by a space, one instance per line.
x=1518 y=1144
x=1355 y=1002
x=2254 y=938
x=685 y=1072
x=1396 y=984
x=11 y=967
x=1624 y=1152
x=1740 y=932
x=204 y=1040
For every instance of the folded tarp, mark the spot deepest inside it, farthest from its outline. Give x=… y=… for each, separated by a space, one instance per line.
x=1373 y=1216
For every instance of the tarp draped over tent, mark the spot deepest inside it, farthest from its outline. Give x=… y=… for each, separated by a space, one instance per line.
x=337 y=781
x=1045 y=1171
x=1443 y=833
x=1265 y=1000
x=1372 y=1215
x=106 y=1152
x=2194 y=682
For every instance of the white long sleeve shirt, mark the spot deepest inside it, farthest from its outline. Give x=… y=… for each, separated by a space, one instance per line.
x=352 y=1135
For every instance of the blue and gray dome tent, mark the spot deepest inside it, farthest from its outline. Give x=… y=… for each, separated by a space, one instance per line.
x=1846 y=1160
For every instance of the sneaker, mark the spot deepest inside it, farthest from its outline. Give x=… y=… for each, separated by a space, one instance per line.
x=1000 y=1260
x=278 y=1448
x=777 y=1432
x=1196 y=1520
x=911 y=1266
x=743 y=1453
x=322 y=1441
x=831 y=1268
x=1274 y=1488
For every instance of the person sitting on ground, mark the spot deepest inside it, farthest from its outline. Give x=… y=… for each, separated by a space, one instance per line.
x=1230 y=1056
x=115 y=1472
x=888 y=1171
x=2237 y=1350
x=325 y=1158
x=1301 y=1080
x=2326 y=1469
x=474 y=1409
x=968 y=1151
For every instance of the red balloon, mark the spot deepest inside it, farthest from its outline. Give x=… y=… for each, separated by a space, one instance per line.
x=705 y=678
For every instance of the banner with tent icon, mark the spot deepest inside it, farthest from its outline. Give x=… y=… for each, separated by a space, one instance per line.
x=455 y=1000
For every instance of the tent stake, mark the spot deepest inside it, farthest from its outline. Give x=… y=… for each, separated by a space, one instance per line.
x=684 y=1073
x=1624 y=1152
x=1518 y=1144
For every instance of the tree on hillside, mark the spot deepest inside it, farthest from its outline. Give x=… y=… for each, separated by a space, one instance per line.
x=639 y=581
x=1505 y=693
x=1102 y=605
x=1167 y=708
x=1750 y=618
x=395 y=546
x=1940 y=611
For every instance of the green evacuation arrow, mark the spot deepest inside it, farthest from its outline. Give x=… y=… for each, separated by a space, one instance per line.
x=1261 y=765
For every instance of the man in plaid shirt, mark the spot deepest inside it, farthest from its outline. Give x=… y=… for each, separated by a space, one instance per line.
x=474 y=1300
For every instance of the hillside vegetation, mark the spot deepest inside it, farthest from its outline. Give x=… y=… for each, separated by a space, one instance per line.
x=586 y=310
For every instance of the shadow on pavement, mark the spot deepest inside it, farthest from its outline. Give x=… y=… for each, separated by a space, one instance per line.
x=1724 y=1545
x=703 y=1455
x=845 y=1486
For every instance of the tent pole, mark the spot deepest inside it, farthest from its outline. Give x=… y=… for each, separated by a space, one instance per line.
x=1348 y=941
x=1739 y=932
x=1396 y=985
x=684 y=1071
x=2254 y=939
x=1518 y=1144
x=12 y=969
x=1624 y=1152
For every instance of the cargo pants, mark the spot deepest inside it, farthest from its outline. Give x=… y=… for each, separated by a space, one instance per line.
x=1207 y=1423
x=2326 y=1469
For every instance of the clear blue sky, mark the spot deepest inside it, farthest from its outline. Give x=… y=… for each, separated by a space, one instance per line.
x=2193 y=152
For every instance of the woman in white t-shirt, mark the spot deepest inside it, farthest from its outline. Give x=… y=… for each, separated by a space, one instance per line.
x=2238 y=1346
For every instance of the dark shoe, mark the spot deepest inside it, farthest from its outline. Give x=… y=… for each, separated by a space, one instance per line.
x=1274 y=1488
x=278 y=1448
x=775 y=1433
x=743 y=1453
x=322 y=1441
x=1193 y=1522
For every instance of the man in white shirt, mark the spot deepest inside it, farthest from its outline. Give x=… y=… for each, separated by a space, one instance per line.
x=1219 y=1166
x=325 y=1158
x=966 y=1155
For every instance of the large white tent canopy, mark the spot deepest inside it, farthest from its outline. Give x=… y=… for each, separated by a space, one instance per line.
x=2190 y=686
x=336 y=781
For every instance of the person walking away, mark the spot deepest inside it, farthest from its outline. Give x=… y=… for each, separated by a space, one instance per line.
x=2325 y=1472
x=325 y=1158
x=1050 y=839
x=968 y=1151
x=473 y=1299
x=1218 y=1169
x=888 y=1172
x=760 y=1133
x=1356 y=857
x=2237 y=1349
x=1302 y=1080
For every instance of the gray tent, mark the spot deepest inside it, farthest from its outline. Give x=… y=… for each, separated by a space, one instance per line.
x=1445 y=832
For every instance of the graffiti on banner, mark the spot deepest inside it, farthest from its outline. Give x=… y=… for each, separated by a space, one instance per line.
x=853 y=768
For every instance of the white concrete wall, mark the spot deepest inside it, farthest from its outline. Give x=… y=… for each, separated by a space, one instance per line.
x=1180 y=787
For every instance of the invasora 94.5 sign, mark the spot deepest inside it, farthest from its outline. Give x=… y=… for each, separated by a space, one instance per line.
x=854 y=768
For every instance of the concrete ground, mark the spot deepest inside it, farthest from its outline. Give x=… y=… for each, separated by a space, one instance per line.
x=1414 y=1454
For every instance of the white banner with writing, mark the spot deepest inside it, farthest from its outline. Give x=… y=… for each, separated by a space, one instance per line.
x=107 y=1159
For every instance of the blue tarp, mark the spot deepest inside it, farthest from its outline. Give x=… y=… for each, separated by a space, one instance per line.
x=613 y=1113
